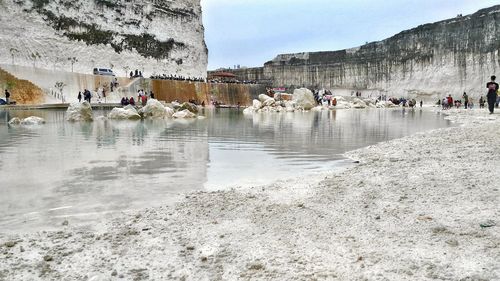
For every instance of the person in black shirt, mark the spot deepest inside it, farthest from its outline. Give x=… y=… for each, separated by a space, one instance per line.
x=492 y=87
x=7 y=96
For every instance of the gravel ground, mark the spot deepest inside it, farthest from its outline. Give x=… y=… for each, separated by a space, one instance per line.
x=424 y=207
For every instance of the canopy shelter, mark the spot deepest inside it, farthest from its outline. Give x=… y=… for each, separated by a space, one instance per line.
x=223 y=76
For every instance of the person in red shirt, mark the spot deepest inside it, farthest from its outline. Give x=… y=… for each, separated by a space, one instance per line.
x=450 y=101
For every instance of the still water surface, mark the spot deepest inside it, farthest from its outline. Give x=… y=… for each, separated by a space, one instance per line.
x=86 y=171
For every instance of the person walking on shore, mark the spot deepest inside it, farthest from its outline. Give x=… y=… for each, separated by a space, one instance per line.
x=450 y=102
x=492 y=87
x=466 y=100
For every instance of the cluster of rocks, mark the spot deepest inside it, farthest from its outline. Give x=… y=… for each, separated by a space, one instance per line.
x=344 y=103
x=153 y=109
x=29 y=121
x=303 y=100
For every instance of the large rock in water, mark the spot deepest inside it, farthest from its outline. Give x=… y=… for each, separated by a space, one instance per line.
x=267 y=100
x=256 y=104
x=15 y=121
x=184 y=114
x=189 y=106
x=357 y=103
x=304 y=98
x=128 y=112
x=32 y=120
x=79 y=112
x=155 y=109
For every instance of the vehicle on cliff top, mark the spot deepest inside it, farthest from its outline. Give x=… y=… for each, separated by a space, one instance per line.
x=103 y=71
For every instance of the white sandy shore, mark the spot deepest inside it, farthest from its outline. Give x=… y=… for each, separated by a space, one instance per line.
x=411 y=210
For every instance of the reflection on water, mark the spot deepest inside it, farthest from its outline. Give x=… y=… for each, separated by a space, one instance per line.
x=86 y=170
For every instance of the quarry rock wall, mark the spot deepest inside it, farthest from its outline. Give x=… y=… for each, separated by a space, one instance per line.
x=427 y=62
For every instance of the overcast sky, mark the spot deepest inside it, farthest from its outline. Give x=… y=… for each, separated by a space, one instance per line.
x=251 y=32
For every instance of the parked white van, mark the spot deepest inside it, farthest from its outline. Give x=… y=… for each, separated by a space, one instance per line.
x=103 y=71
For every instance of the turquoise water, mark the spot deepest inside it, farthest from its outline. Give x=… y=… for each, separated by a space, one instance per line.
x=84 y=172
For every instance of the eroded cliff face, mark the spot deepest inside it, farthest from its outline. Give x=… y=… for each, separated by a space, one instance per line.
x=22 y=91
x=159 y=36
x=447 y=57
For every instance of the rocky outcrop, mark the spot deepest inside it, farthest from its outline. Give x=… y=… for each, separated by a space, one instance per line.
x=22 y=91
x=77 y=35
x=446 y=57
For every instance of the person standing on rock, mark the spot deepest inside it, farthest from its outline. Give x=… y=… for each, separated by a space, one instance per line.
x=492 y=87
x=79 y=97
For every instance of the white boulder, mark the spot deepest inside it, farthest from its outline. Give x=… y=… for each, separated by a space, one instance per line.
x=304 y=98
x=264 y=97
x=249 y=110
x=266 y=100
x=343 y=105
x=256 y=104
x=269 y=102
x=370 y=101
x=128 y=112
x=154 y=109
x=15 y=121
x=169 y=111
x=79 y=112
x=357 y=103
x=184 y=114
x=189 y=106
x=289 y=106
x=32 y=120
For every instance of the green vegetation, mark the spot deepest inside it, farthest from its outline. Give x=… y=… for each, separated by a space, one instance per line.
x=108 y=3
x=39 y=4
x=92 y=36
x=148 y=46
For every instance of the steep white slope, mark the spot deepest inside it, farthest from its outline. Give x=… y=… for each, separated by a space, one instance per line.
x=152 y=36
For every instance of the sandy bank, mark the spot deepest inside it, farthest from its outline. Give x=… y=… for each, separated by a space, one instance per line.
x=422 y=207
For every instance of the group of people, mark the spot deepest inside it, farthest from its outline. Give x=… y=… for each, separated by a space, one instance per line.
x=326 y=97
x=492 y=98
x=86 y=95
x=448 y=102
x=126 y=101
x=142 y=98
x=176 y=78
x=232 y=81
x=135 y=74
